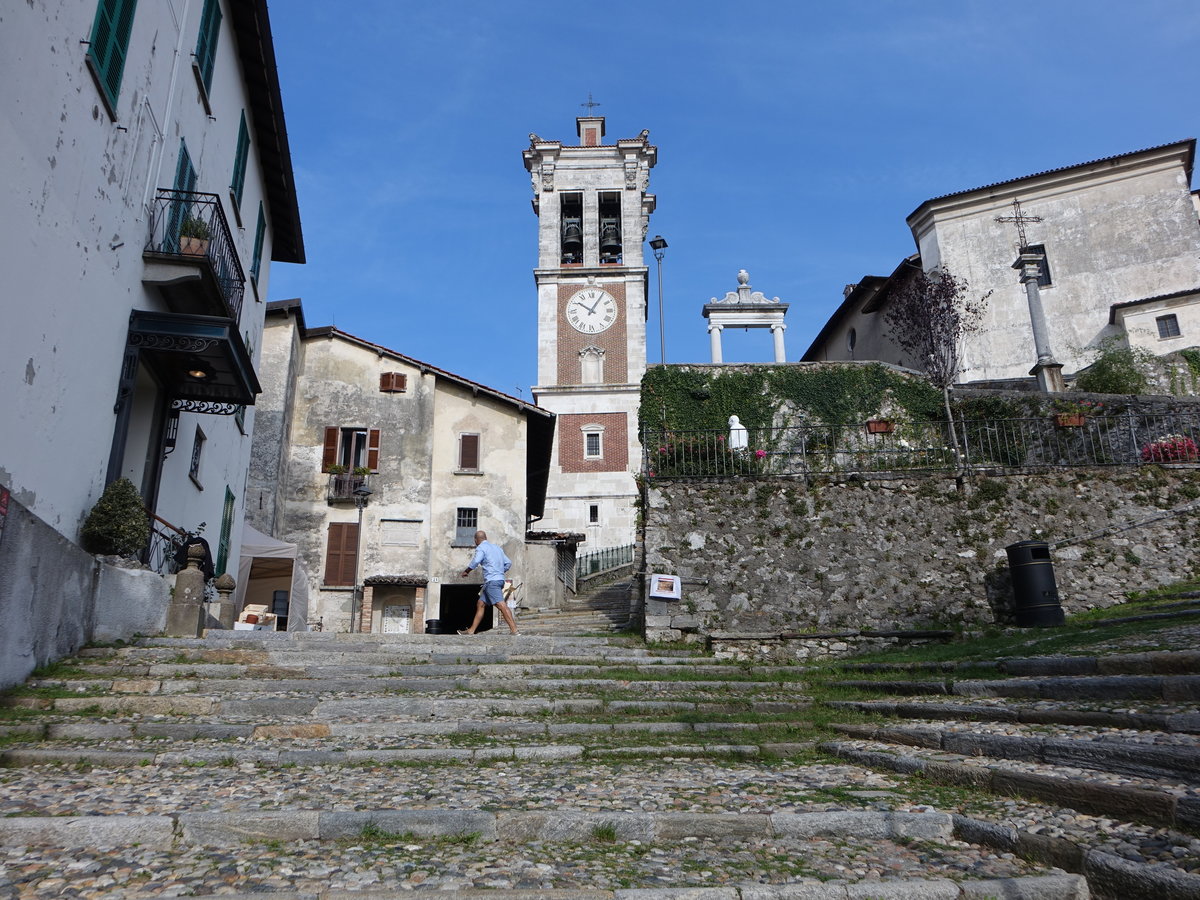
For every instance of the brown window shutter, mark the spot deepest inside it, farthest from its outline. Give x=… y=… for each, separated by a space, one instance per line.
x=341 y=554
x=393 y=382
x=329 y=454
x=373 y=449
x=468 y=451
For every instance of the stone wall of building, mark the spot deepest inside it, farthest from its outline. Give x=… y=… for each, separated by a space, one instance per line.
x=788 y=556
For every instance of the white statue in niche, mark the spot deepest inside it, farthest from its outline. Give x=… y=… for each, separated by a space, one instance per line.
x=738 y=436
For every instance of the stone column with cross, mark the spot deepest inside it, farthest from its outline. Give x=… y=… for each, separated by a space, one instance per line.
x=1047 y=370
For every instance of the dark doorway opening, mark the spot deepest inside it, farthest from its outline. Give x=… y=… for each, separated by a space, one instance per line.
x=458 y=608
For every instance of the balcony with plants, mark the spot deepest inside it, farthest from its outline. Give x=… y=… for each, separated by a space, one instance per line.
x=345 y=485
x=191 y=257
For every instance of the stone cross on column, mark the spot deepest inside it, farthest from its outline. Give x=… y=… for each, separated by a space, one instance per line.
x=1047 y=369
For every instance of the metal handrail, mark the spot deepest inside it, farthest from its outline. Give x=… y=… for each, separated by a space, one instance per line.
x=165 y=541
x=192 y=225
x=596 y=561
x=1128 y=439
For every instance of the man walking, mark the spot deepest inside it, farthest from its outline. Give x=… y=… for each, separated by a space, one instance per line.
x=495 y=565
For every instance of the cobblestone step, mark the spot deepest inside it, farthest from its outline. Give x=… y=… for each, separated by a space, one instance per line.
x=1138 y=756
x=1169 y=719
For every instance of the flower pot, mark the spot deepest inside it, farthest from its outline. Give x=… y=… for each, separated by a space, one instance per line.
x=1070 y=420
x=193 y=246
x=880 y=426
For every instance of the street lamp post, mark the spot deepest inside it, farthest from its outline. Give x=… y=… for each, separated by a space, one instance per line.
x=361 y=494
x=659 y=245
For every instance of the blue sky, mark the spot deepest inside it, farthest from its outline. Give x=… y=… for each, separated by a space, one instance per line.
x=793 y=138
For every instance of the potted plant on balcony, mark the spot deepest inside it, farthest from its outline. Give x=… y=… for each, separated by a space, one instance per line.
x=194 y=235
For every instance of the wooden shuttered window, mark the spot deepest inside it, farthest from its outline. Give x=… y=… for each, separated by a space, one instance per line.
x=240 y=156
x=393 y=382
x=341 y=555
x=330 y=451
x=468 y=452
x=109 y=46
x=206 y=46
x=342 y=447
x=373 y=449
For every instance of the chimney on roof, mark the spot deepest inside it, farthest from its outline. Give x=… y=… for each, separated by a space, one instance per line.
x=590 y=129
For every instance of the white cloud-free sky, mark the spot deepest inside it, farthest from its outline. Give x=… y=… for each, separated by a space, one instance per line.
x=794 y=137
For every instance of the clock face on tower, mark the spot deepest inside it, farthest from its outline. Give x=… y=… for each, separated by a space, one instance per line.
x=591 y=311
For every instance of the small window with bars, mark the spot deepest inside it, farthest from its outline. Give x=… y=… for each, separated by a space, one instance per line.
x=466 y=523
x=1168 y=326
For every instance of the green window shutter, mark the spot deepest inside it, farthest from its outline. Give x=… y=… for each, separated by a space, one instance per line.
x=260 y=231
x=185 y=181
x=226 y=531
x=239 y=162
x=206 y=46
x=109 y=45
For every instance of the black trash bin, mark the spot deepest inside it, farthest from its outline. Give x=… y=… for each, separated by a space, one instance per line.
x=433 y=626
x=1034 y=591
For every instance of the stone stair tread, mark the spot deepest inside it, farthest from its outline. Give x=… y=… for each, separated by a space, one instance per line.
x=1167 y=717
x=1157 y=801
x=1174 y=761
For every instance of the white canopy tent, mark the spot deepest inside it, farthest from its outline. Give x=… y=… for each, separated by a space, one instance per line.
x=271 y=558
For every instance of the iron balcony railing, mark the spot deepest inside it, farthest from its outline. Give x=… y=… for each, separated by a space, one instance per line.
x=188 y=225
x=342 y=487
x=1129 y=439
x=595 y=561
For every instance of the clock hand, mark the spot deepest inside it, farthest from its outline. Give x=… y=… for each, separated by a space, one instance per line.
x=592 y=308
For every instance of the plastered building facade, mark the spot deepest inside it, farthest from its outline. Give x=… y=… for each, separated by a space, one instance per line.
x=147 y=188
x=441 y=456
x=1120 y=244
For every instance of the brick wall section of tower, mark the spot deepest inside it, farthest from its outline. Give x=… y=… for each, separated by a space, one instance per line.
x=615 y=442
x=612 y=342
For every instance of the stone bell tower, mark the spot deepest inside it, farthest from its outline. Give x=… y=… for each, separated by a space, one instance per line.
x=593 y=213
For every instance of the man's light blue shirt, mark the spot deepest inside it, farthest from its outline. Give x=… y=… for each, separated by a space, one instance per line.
x=495 y=562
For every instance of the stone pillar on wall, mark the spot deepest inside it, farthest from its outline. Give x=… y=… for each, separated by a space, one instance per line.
x=187 y=612
x=368 y=607
x=714 y=341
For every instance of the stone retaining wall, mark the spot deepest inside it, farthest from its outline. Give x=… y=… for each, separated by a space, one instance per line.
x=783 y=555
x=54 y=597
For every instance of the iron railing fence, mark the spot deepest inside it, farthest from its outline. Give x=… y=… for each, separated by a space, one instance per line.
x=1128 y=439
x=595 y=561
x=193 y=224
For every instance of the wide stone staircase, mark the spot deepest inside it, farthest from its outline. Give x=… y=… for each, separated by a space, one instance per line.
x=341 y=766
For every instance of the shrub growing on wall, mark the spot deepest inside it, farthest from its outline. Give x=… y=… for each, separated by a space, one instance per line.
x=1116 y=370
x=118 y=524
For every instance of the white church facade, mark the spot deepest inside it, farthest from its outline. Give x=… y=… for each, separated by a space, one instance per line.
x=1119 y=241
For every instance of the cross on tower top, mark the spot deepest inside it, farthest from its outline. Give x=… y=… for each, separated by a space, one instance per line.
x=1019 y=219
x=590 y=105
